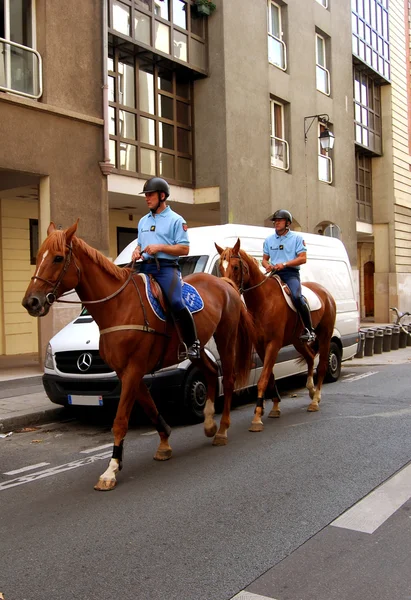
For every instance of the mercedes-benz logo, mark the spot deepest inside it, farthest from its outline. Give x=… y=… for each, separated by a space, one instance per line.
x=84 y=362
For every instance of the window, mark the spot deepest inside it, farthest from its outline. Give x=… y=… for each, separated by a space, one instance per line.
x=280 y=154
x=322 y=74
x=367 y=112
x=20 y=64
x=150 y=120
x=363 y=185
x=34 y=240
x=277 y=51
x=125 y=235
x=168 y=27
x=325 y=166
x=370 y=34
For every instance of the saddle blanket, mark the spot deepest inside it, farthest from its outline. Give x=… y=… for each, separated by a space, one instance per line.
x=191 y=297
x=313 y=300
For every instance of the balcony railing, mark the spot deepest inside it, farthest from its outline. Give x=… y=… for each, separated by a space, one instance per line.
x=280 y=153
x=277 y=52
x=325 y=168
x=323 y=80
x=20 y=70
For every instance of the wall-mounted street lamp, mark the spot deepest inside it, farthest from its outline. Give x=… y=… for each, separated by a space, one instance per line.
x=326 y=136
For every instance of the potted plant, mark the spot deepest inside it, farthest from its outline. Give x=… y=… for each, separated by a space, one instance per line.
x=205 y=7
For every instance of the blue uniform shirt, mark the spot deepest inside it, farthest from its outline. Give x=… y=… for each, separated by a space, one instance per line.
x=166 y=227
x=282 y=248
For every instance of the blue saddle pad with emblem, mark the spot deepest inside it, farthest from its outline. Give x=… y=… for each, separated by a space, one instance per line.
x=191 y=298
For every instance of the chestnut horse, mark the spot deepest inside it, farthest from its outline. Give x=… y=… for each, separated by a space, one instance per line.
x=134 y=341
x=278 y=325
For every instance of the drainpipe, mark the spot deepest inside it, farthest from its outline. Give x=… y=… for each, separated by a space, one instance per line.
x=106 y=166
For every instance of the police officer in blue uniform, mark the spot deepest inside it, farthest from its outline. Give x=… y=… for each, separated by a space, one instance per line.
x=284 y=251
x=161 y=238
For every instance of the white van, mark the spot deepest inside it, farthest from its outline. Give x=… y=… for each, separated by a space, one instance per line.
x=75 y=373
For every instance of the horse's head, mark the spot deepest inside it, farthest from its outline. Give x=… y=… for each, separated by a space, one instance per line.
x=234 y=264
x=56 y=271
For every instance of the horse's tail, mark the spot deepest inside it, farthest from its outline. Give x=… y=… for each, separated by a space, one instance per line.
x=246 y=339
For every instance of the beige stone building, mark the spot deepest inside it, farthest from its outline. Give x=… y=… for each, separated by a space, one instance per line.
x=382 y=104
x=233 y=109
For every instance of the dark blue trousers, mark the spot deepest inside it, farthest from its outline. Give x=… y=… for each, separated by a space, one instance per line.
x=169 y=279
x=292 y=278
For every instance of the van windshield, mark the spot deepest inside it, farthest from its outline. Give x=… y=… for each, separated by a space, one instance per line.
x=188 y=265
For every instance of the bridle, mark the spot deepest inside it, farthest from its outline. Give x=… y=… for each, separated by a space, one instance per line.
x=242 y=270
x=51 y=297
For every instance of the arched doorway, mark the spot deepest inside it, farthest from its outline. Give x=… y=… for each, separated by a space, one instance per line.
x=369 y=289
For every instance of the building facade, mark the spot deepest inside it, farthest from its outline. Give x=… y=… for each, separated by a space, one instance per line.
x=237 y=110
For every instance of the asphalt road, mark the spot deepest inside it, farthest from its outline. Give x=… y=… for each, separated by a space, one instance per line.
x=209 y=522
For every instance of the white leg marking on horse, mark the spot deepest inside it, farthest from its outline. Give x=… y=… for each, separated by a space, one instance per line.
x=44 y=256
x=110 y=473
x=310 y=383
x=209 y=414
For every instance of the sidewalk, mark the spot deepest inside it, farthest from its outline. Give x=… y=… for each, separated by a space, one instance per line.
x=23 y=401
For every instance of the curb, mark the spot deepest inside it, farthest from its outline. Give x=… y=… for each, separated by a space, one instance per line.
x=34 y=418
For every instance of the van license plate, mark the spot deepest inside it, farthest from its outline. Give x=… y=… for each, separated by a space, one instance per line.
x=85 y=400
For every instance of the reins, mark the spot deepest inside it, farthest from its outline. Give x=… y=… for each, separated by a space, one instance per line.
x=51 y=296
x=241 y=288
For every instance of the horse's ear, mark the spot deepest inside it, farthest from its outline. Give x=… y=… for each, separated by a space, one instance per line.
x=51 y=228
x=220 y=250
x=236 y=248
x=70 y=232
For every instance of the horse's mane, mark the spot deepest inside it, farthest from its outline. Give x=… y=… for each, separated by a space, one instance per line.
x=56 y=242
x=249 y=259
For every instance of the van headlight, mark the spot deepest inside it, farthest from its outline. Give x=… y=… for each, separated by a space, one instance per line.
x=48 y=362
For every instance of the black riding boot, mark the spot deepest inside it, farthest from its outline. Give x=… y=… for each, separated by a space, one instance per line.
x=185 y=322
x=308 y=335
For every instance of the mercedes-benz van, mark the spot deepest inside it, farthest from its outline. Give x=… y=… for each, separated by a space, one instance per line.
x=75 y=374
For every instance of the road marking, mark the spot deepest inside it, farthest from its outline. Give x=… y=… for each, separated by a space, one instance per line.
x=75 y=464
x=357 y=377
x=96 y=448
x=150 y=432
x=373 y=510
x=30 y=468
x=250 y=596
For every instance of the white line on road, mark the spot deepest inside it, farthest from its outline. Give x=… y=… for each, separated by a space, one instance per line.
x=75 y=464
x=250 y=596
x=30 y=468
x=96 y=448
x=357 y=377
x=371 y=512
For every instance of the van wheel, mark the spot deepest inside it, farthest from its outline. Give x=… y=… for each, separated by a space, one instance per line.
x=334 y=364
x=195 y=396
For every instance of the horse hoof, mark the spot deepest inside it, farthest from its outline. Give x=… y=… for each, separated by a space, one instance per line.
x=105 y=485
x=220 y=440
x=275 y=413
x=210 y=431
x=162 y=455
x=313 y=408
x=256 y=427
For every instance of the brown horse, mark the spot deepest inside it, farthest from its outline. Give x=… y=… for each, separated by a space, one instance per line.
x=278 y=325
x=134 y=341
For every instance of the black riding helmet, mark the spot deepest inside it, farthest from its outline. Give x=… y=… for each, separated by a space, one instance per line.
x=282 y=214
x=156 y=184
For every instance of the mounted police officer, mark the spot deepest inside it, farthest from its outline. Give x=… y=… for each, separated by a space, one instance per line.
x=161 y=238
x=284 y=252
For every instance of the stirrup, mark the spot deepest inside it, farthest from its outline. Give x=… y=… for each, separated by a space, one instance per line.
x=184 y=352
x=307 y=336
